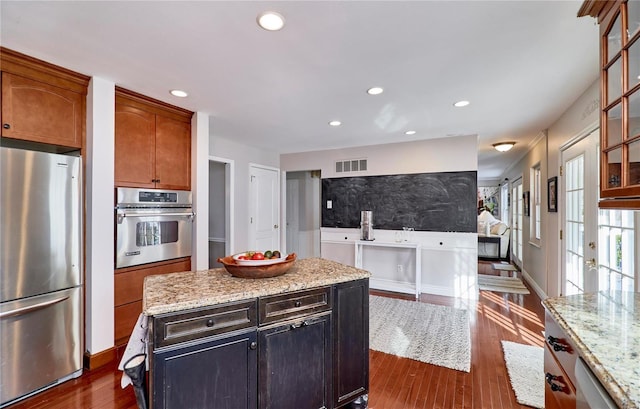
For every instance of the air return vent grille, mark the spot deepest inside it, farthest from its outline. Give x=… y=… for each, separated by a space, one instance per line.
x=351 y=165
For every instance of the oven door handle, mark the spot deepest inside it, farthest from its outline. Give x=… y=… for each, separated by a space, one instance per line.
x=121 y=216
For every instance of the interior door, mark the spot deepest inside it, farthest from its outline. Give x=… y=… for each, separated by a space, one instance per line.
x=264 y=228
x=580 y=218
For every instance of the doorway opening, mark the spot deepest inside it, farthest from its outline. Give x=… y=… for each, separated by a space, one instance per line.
x=303 y=196
x=220 y=209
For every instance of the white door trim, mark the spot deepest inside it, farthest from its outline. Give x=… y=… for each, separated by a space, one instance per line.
x=230 y=184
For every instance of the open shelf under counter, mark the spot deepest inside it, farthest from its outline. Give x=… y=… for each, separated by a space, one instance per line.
x=390 y=285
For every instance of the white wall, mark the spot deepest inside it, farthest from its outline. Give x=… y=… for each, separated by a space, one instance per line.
x=100 y=238
x=242 y=155
x=542 y=264
x=200 y=190
x=432 y=155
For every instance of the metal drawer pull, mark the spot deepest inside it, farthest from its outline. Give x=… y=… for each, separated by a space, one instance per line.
x=558 y=345
x=302 y=324
x=554 y=386
x=298 y=303
x=24 y=310
x=210 y=323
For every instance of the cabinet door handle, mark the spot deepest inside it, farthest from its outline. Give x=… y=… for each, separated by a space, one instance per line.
x=558 y=345
x=302 y=324
x=253 y=345
x=6 y=126
x=555 y=387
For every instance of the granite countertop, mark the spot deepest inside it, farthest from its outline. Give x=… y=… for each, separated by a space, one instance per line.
x=181 y=291
x=606 y=330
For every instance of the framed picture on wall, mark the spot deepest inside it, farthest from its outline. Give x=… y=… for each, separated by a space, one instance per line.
x=552 y=195
x=525 y=203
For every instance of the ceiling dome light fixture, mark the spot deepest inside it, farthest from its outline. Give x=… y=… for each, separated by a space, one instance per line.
x=179 y=93
x=270 y=21
x=461 y=104
x=410 y=133
x=503 y=146
x=335 y=123
x=375 y=91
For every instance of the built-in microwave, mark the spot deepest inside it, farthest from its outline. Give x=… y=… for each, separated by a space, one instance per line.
x=152 y=225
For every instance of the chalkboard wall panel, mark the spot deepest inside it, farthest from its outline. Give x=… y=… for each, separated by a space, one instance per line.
x=444 y=201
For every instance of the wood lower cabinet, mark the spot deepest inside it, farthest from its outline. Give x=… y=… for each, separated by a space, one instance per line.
x=216 y=374
x=559 y=392
x=128 y=287
x=42 y=102
x=560 y=357
x=152 y=143
x=283 y=351
x=295 y=364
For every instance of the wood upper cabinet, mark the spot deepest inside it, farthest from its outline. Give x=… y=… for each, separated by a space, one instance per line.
x=134 y=147
x=619 y=101
x=41 y=102
x=153 y=143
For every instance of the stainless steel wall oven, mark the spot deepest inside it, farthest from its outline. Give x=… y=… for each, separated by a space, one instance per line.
x=152 y=225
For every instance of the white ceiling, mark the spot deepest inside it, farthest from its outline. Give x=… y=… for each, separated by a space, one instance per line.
x=520 y=63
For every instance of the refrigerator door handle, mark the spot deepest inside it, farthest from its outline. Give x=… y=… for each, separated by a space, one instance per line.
x=39 y=306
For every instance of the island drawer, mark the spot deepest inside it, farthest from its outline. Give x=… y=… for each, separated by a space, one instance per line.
x=560 y=346
x=173 y=328
x=276 y=308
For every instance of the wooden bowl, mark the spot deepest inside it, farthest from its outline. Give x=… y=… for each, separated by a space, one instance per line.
x=271 y=270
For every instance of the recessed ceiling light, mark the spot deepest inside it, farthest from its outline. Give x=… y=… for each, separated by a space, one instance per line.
x=270 y=21
x=179 y=93
x=503 y=146
x=461 y=104
x=335 y=123
x=375 y=91
x=410 y=133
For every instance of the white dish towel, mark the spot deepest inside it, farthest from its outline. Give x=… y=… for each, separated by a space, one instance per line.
x=137 y=344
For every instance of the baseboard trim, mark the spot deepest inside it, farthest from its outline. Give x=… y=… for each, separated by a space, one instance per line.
x=391 y=285
x=100 y=359
x=470 y=294
x=527 y=277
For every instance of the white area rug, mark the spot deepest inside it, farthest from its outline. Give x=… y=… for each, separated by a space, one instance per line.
x=501 y=284
x=504 y=267
x=434 y=334
x=525 y=365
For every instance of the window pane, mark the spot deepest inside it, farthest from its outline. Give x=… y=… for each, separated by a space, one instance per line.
x=634 y=163
x=614 y=125
x=614 y=159
x=633 y=17
x=634 y=114
x=614 y=81
x=634 y=64
x=613 y=39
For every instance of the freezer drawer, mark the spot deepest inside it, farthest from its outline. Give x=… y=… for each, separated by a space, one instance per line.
x=40 y=342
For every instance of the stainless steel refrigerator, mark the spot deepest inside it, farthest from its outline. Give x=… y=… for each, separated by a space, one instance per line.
x=41 y=340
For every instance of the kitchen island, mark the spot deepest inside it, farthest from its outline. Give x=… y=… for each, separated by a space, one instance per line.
x=602 y=330
x=297 y=340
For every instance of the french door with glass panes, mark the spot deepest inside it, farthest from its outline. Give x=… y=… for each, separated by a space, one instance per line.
x=600 y=245
x=580 y=196
x=516 y=221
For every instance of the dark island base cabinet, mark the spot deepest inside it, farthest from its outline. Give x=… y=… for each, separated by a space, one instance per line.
x=301 y=350
x=350 y=341
x=216 y=374
x=295 y=365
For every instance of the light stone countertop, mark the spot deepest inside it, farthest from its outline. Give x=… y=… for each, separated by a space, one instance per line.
x=181 y=291
x=606 y=330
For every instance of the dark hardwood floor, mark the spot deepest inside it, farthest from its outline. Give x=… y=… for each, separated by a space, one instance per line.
x=396 y=383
